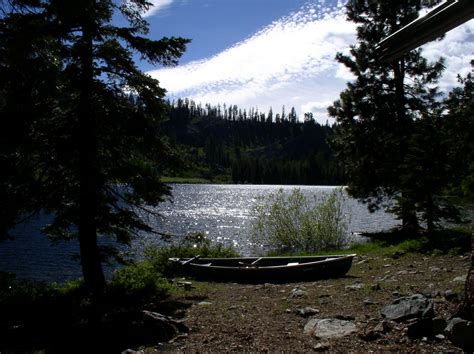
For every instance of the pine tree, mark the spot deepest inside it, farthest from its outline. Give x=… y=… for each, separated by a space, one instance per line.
x=376 y=113
x=93 y=156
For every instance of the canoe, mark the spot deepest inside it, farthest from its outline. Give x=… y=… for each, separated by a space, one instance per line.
x=266 y=269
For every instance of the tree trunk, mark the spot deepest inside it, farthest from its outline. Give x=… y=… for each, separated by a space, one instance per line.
x=409 y=218
x=430 y=217
x=88 y=167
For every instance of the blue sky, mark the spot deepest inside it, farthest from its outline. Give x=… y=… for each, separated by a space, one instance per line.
x=269 y=53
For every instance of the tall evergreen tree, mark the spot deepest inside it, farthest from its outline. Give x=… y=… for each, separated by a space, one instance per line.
x=376 y=114
x=460 y=132
x=92 y=155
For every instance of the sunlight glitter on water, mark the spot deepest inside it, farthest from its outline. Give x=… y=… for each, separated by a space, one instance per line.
x=222 y=212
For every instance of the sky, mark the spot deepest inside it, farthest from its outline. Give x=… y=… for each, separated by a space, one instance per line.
x=270 y=53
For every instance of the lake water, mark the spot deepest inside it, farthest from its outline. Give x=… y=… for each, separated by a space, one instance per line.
x=222 y=212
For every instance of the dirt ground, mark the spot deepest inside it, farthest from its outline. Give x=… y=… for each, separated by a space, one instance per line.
x=267 y=317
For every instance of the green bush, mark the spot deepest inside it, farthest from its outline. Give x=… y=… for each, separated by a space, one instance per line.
x=139 y=280
x=292 y=223
x=192 y=245
x=148 y=279
x=14 y=291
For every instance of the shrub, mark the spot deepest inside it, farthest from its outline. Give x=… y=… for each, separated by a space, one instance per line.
x=192 y=245
x=139 y=280
x=292 y=223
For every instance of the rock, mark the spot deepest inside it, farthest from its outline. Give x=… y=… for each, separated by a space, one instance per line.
x=402 y=309
x=460 y=279
x=321 y=347
x=334 y=328
x=307 y=311
x=419 y=327
x=435 y=269
x=460 y=332
x=397 y=254
x=440 y=337
x=295 y=293
x=450 y=295
x=310 y=326
x=383 y=327
x=439 y=324
x=368 y=302
x=329 y=328
x=204 y=303
x=357 y=286
x=369 y=335
x=187 y=285
x=376 y=286
x=159 y=323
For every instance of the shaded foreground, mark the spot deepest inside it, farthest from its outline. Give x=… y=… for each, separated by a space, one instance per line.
x=218 y=317
x=237 y=317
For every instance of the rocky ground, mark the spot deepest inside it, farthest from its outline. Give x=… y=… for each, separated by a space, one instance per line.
x=288 y=317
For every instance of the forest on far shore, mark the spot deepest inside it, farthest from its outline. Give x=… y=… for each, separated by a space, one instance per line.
x=227 y=144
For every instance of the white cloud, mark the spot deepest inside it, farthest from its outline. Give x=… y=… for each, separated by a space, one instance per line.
x=156 y=7
x=457 y=48
x=291 y=62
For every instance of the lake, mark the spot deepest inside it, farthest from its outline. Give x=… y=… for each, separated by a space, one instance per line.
x=222 y=212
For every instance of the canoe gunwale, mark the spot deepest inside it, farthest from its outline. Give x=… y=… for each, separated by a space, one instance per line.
x=328 y=260
x=321 y=267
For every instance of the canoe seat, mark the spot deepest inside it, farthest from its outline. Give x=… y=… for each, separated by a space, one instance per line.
x=293 y=263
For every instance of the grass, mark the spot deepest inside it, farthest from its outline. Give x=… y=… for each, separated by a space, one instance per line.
x=449 y=241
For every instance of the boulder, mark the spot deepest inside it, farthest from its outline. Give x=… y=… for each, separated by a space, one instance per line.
x=329 y=328
x=310 y=326
x=419 y=327
x=404 y=308
x=461 y=333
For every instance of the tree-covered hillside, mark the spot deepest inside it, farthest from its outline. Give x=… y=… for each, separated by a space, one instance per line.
x=228 y=144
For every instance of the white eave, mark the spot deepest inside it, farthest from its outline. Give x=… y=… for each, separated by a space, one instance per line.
x=435 y=23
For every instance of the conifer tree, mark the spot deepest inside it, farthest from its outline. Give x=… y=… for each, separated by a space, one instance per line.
x=87 y=152
x=376 y=113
